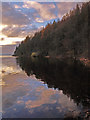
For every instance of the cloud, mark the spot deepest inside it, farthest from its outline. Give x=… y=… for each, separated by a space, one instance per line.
x=10 y=16
x=1 y=39
x=42 y=9
x=18 y=21
x=39 y=20
x=65 y=7
x=19 y=31
x=16 y=6
x=22 y=19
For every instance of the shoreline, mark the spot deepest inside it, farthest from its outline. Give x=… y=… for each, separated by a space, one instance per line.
x=84 y=60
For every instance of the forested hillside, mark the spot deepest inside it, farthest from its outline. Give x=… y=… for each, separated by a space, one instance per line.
x=69 y=37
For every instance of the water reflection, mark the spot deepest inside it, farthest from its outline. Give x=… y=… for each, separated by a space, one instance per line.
x=71 y=76
x=48 y=89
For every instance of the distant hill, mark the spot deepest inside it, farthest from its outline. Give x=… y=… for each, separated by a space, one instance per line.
x=69 y=37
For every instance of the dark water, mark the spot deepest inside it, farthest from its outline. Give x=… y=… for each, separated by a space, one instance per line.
x=45 y=88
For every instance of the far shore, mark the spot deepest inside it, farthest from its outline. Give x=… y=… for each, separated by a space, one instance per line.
x=85 y=61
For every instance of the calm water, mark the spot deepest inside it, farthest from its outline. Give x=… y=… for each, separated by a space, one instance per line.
x=44 y=88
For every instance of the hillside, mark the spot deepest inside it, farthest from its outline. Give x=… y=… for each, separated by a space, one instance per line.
x=69 y=37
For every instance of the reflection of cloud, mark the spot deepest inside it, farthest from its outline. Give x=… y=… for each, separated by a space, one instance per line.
x=20 y=102
x=34 y=99
x=49 y=96
x=44 y=98
x=7 y=70
x=66 y=103
x=12 y=89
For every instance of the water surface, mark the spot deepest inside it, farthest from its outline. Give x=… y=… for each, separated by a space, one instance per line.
x=44 y=88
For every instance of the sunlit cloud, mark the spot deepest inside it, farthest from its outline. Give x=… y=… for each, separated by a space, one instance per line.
x=65 y=7
x=39 y=20
x=10 y=40
x=16 y=6
x=42 y=9
x=26 y=18
x=11 y=16
x=2 y=36
x=2 y=26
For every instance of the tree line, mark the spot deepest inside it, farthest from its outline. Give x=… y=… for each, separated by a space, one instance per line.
x=68 y=37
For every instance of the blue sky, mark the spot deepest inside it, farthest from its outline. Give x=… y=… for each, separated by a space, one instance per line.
x=25 y=18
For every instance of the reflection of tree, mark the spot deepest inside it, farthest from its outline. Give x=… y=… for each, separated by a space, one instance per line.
x=71 y=76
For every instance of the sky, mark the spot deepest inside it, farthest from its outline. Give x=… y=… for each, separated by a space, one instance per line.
x=20 y=19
